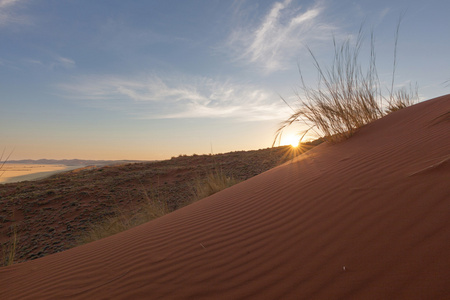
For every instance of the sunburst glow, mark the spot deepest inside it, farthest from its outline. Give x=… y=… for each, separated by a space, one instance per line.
x=292 y=140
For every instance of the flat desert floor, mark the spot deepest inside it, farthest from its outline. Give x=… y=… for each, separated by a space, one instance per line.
x=21 y=172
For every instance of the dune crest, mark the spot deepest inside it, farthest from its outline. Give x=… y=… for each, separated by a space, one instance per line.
x=367 y=218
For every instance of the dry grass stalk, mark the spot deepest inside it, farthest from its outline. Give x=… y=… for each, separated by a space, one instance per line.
x=9 y=249
x=3 y=161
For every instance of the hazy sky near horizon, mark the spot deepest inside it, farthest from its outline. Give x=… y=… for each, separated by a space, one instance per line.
x=153 y=79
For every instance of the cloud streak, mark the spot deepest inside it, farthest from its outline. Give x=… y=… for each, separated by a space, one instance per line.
x=276 y=40
x=55 y=62
x=63 y=62
x=8 y=3
x=8 y=14
x=176 y=97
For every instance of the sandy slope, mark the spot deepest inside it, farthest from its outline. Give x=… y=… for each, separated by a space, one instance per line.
x=368 y=218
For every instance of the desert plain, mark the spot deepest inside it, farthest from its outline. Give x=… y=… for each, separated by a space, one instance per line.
x=22 y=172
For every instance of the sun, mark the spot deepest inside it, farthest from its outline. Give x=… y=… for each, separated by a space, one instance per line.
x=292 y=140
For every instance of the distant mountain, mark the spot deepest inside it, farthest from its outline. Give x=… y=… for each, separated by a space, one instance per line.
x=73 y=162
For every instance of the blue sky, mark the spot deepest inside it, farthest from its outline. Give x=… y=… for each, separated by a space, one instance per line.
x=155 y=79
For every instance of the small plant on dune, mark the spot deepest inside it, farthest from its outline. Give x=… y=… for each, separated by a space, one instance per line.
x=153 y=208
x=109 y=226
x=402 y=99
x=9 y=249
x=213 y=182
x=346 y=96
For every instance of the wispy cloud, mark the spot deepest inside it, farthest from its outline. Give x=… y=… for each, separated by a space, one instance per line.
x=55 y=62
x=274 y=42
x=8 y=12
x=154 y=97
x=8 y=3
x=63 y=62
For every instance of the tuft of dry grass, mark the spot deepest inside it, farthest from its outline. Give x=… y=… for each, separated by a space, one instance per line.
x=214 y=182
x=402 y=99
x=153 y=208
x=346 y=96
x=9 y=249
x=110 y=226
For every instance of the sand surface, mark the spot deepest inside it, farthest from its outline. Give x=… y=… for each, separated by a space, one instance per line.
x=368 y=218
x=21 y=172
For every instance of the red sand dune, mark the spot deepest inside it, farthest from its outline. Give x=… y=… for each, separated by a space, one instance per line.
x=368 y=218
